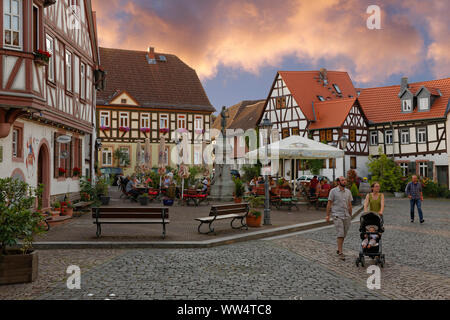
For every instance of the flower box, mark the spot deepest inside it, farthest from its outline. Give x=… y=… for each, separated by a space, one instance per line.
x=104 y=128
x=124 y=129
x=145 y=129
x=164 y=130
x=76 y=171
x=42 y=57
x=61 y=171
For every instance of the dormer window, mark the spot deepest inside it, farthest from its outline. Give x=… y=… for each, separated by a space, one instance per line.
x=407 y=105
x=321 y=98
x=335 y=86
x=424 y=104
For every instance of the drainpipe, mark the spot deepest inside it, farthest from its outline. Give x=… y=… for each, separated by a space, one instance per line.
x=393 y=136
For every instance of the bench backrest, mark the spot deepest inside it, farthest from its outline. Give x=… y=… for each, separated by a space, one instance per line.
x=135 y=213
x=219 y=210
x=284 y=193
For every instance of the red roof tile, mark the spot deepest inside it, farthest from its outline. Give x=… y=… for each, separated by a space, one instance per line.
x=382 y=104
x=171 y=84
x=233 y=113
x=331 y=114
x=305 y=86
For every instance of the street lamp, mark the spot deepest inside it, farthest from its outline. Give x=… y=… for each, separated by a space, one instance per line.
x=343 y=140
x=266 y=125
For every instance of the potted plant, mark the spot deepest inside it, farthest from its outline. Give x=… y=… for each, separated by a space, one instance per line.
x=57 y=206
x=61 y=172
x=239 y=190
x=18 y=221
x=42 y=57
x=355 y=194
x=101 y=189
x=143 y=199
x=76 y=171
x=68 y=209
x=170 y=196
x=254 y=216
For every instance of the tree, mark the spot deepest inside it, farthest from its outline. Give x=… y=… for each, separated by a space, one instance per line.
x=251 y=171
x=314 y=165
x=384 y=170
x=122 y=157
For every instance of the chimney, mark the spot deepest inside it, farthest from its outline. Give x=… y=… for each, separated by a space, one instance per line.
x=151 y=52
x=404 y=83
x=323 y=76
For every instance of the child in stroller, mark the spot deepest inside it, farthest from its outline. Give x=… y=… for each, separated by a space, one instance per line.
x=371 y=228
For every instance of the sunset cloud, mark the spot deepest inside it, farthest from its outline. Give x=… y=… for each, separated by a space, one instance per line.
x=249 y=35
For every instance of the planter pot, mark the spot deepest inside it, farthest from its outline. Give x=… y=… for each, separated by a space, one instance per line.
x=105 y=200
x=253 y=221
x=399 y=194
x=168 y=202
x=237 y=200
x=55 y=213
x=67 y=212
x=40 y=62
x=143 y=201
x=18 y=268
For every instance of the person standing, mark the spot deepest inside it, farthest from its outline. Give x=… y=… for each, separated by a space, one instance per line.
x=340 y=205
x=375 y=200
x=313 y=185
x=414 y=192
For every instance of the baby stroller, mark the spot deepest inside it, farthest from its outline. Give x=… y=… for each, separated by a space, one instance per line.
x=371 y=219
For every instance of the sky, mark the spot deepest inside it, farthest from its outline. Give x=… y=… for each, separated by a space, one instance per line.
x=237 y=46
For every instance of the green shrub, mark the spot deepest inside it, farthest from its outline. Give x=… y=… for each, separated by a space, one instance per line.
x=251 y=172
x=386 y=172
x=354 y=190
x=239 y=188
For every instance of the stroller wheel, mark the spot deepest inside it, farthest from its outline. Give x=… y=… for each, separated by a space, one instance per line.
x=357 y=262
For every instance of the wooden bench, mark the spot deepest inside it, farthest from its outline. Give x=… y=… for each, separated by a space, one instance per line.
x=128 y=215
x=75 y=198
x=227 y=211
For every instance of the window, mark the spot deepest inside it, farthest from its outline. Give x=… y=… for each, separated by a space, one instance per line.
x=388 y=137
x=83 y=80
x=197 y=156
x=124 y=101
x=12 y=23
x=123 y=119
x=407 y=105
x=352 y=134
x=35 y=28
x=352 y=162
x=422 y=135
x=373 y=138
x=423 y=104
x=198 y=123
x=295 y=131
x=404 y=136
x=125 y=161
x=404 y=167
x=323 y=135
x=331 y=163
x=164 y=121
x=285 y=133
x=145 y=120
x=15 y=143
x=51 y=66
x=329 y=135
x=104 y=118
x=107 y=156
x=68 y=71
x=337 y=88
x=321 y=98
x=281 y=102
x=181 y=124
x=423 y=169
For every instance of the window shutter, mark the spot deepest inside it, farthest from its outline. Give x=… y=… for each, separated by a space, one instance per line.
x=430 y=169
x=412 y=168
x=55 y=157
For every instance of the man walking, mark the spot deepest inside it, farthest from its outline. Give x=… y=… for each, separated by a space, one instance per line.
x=340 y=205
x=414 y=192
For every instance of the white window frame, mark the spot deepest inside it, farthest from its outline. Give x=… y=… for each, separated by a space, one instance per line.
x=164 y=121
x=406 y=105
x=404 y=133
x=388 y=137
x=198 y=122
x=404 y=166
x=15 y=142
x=123 y=119
x=424 y=104
x=50 y=47
x=421 y=132
x=373 y=135
x=197 y=156
x=11 y=16
x=423 y=169
x=127 y=151
x=107 y=155
x=82 y=80
x=105 y=117
x=69 y=77
x=38 y=27
x=145 y=120
x=183 y=119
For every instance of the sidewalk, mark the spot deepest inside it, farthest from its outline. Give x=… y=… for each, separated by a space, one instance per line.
x=79 y=232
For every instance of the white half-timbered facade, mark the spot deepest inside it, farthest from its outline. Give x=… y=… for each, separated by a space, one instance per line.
x=41 y=100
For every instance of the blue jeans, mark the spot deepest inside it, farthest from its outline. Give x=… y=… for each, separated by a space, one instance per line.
x=418 y=203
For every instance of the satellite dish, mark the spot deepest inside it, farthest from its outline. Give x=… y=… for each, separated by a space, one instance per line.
x=64 y=139
x=64 y=154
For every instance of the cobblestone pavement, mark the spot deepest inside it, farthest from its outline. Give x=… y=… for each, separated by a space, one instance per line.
x=303 y=266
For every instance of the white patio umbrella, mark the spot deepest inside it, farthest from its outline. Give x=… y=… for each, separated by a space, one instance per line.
x=147 y=154
x=138 y=153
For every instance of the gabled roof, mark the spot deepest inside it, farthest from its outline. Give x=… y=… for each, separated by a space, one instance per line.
x=170 y=84
x=331 y=114
x=233 y=113
x=305 y=86
x=382 y=104
x=248 y=117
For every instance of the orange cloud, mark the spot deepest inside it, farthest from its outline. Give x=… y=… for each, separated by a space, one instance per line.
x=248 y=35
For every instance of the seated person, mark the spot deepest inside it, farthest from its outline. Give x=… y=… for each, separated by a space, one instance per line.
x=371 y=237
x=131 y=189
x=205 y=184
x=166 y=182
x=325 y=185
x=251 y=185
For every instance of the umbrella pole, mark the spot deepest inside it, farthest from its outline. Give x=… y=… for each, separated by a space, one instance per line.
x=182 y=190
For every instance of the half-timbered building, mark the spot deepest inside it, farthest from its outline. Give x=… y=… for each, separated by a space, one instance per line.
x=42 y=100
x=145 y=92
x=410 y=123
